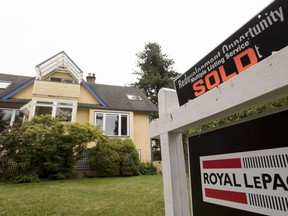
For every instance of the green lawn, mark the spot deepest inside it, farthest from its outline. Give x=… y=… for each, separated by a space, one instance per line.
x=141 y=195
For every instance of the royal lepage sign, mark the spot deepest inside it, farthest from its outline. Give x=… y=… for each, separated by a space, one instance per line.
x=241 y=169
x=255 y=181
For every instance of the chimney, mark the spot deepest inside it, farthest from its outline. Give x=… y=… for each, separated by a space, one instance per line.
x=91 y=78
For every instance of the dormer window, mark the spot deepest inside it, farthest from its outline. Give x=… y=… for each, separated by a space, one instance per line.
x=4 y=84
x=134 y=97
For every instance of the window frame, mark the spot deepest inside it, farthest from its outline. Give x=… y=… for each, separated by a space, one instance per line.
x=54 y=104
x=13 y=115
x=133 y=97
x=61 y=79
x=119 y=115
x=139 y=153
x=4 y=84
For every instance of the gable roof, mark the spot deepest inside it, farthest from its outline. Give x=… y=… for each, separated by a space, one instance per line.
x=116 y=98
x=17 y=84
x=109 y=96
x=94 y=94
x=59 y=61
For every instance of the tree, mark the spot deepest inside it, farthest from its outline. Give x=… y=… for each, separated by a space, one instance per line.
x=155 y=71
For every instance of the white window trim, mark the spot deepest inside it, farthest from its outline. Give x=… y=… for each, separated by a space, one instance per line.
x=54 y=105
x=134 y=97
x=120 y=122
x=139 y=153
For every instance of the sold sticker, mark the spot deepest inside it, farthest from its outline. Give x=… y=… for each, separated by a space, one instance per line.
x=255 y=181
x=255 y=41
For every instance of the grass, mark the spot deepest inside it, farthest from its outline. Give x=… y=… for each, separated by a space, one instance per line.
x=140 y=195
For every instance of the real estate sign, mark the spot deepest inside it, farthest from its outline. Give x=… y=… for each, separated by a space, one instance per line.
x=241 y=169
x=259 y=38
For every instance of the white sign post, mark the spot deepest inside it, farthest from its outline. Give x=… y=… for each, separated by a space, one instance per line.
x=175 y=188
x=265 y=81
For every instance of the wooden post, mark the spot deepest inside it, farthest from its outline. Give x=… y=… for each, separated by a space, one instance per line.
x=173 y=165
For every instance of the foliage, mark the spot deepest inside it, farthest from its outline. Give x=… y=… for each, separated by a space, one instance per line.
x=46 y=146
x=246 y=113
x=115 y=157
x=155 y=71
x=25 y=178
x=2 y=121
x=156 y=150
x=57 y=176
x=129 y=158
x=147 y=169
x=105 y=159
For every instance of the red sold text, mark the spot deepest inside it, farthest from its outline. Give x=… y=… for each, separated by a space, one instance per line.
x=217 y=76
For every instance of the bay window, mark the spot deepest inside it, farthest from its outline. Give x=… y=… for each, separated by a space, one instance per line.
x=56 y=109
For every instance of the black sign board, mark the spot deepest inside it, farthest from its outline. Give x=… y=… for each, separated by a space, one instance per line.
x=255 y=41
x=242 y=169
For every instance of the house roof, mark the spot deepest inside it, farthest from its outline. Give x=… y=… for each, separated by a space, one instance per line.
x=59 y=61
x=110 y=96
x=16 y=84
x=116 y=98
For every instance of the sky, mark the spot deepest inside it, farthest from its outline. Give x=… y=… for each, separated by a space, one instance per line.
x=103 y=37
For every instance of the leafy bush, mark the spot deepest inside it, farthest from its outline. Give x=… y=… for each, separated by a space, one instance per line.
x=57 y=176
x=115 y=157
x=129 y=158
x=25 y=178
x=47 y=146
x=147 y=169
x=105 y=159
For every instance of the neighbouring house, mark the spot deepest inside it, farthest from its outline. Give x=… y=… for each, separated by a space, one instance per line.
x=59 y=90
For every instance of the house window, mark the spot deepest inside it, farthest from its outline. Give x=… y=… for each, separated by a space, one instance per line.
x=4 y=84
x=113 y=124
x=62 y=80
x=8 y=117
x=134 y=97
x=55 y=109
x=139 y=153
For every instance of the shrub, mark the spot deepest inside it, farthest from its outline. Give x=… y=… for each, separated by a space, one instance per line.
x=129 y=158
x=105 y=159
x=115 y=157
x=47 y=146
x=25 y=178
x=147 y=169
x=57 y=176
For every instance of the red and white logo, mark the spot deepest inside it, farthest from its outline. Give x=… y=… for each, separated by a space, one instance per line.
x=255 y=181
